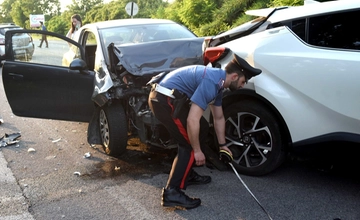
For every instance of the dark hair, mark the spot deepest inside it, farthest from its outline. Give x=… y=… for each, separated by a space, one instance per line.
x=41 y=22
x=233 y=67
x=242 y=68
x=77 y=17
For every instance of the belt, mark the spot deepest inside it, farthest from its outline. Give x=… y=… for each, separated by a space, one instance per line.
x=163 y=90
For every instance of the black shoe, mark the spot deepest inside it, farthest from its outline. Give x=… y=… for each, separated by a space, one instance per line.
x=196 y=179
x=173 y=196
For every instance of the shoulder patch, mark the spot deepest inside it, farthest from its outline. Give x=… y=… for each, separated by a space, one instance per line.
x=221 y=84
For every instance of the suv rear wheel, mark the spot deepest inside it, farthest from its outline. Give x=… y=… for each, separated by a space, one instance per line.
x=255 y=137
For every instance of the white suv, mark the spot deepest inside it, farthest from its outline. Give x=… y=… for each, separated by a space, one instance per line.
x=307 y=92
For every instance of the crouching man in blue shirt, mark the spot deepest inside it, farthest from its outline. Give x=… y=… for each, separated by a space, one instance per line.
x=178 y=101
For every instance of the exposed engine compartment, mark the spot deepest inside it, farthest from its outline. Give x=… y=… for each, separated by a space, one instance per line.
x=133 y=66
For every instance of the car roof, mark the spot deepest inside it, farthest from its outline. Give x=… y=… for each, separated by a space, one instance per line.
x=128 y=22
x=293 y=12
x=4 y=25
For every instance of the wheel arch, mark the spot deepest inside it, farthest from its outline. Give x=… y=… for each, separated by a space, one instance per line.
x=248 y=94
x=94 y=136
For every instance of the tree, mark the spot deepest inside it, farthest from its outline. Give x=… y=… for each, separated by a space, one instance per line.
x=275 y=3
x=148 y=8
x=58 y=24
x=21 y=10
x=17 y=14
x=5 y=10
x=82 y=6
x=110 y=11
x=194 y=13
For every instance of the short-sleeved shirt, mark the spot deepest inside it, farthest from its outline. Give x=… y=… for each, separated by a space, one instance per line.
x=71 y=35
x=202 y=85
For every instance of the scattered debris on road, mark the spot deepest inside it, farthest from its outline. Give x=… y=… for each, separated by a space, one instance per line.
x=1 y=120
x=9 y=139
x=87 y=155
x=77 y=173
x=31 y=150
x=57 y=140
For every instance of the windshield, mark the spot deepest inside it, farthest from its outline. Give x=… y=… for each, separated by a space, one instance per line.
x=144 y=33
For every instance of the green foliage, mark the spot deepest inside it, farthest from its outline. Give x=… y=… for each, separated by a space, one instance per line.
x=228 y=15
x=160 y=12
x=194 y=13
x=148 y=8
x=203 y=17
x=5 y=10
x=212 y=28
x=110 y=11
x=275 y=3
x=57 y=24
x=171 y=11
x=82 y=6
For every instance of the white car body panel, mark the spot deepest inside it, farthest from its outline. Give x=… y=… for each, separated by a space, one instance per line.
x=304 y=11
x=334 y=97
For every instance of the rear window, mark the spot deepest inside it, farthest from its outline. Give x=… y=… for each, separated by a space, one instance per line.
x=298 y=26
x=338 y=30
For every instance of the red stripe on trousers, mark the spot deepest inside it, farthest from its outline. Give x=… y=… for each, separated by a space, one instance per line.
x=185 y=135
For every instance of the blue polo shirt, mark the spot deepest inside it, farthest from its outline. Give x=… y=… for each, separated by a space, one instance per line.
x=203 y=85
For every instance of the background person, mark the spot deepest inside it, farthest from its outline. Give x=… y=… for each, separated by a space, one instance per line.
x=202 y=86
x=76 y=23
x=43 y=36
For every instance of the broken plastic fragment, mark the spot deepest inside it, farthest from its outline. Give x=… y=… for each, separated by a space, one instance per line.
x=9 y=139
x=1 y=121
x=117 y=168
x=87 y=155
x=77 y=173
x=31 y=149
x=57 y=140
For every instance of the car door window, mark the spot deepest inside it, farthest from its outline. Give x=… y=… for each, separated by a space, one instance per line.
x=338 y=30
x=298 y=27
x=90 y=49
x=43 y=49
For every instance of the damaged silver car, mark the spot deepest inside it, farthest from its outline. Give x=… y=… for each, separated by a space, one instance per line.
x=100 y=77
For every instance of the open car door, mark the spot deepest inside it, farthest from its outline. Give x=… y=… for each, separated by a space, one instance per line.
x=51 y=81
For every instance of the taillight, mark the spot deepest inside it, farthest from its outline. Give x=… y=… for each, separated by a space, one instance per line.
x=212 y=54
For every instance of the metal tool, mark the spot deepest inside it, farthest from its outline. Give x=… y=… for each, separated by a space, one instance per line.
x=226 y=157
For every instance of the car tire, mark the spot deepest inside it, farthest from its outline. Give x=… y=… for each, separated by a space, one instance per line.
x=28 y=58
x=113 y=129
x=258 y=149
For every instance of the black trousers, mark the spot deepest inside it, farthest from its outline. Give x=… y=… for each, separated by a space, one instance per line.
x=162 y=107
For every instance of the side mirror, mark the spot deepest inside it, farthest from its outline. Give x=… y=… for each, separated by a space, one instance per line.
x=78 y=64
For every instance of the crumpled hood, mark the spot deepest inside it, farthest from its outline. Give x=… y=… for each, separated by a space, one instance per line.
x=154 y=57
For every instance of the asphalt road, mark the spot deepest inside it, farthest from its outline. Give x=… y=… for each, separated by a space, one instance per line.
x=45 y=186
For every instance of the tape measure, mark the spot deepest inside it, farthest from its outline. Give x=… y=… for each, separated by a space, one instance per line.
x=226 y=157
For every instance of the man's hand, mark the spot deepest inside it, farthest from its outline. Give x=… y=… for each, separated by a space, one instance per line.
x=226 y=148
x=199 y=158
